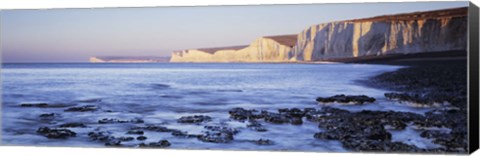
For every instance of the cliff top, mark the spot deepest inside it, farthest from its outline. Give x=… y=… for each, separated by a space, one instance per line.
x=454 y=12
x=288 y=40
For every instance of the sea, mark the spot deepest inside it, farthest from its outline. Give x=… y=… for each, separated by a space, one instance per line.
x=161 y=93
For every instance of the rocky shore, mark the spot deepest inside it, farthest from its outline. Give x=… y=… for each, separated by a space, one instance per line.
x=437 y=85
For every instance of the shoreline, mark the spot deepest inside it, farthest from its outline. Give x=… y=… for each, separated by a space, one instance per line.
x=364 y=130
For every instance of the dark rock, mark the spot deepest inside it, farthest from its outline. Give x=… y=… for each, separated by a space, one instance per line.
x=111 y=121
x=294 y=112
x=357 y=99
x=56 y=133
x=218 y=134
x=221 y=129
x=72 y=125
x=39 y=105
x=433 y=134
x=194 y=119
x=141 y=138
x=184 y=134
x=49 y=116
x=158 y=129
x=415 y=98
x=240 y=114
x=82 y=108
x=138 y=132
x=114 y=143
x=264 y=142
x=125 y=138
x=296 y=121
x=256 y=126
x=159 y=144
x=276 y=118
x=101 y=136
x=216 y=137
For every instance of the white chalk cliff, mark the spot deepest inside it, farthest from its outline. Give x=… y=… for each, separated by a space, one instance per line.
x=431 y=31
x=263 y=49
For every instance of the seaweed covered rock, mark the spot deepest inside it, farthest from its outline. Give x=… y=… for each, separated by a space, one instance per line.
x=159 y=144
x=218 y=134
x=356 y=99
x=56 y=133
x=194 y=119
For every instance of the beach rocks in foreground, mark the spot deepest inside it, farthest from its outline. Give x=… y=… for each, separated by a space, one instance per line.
x=218 y=134
x=194 y=119
x=54 y=133
x=356 y=99
x=285 y=116
x=159 y=144
x=417 y=99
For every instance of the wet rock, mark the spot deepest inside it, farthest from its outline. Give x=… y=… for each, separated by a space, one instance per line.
x=294 y=112
x=114 y=143
x=221 y=129
x=264 y=142
x=100 y=136
x=111 y=121
x=357 y=99
x=158 y=128
x=254 y=125
x=433 y=134
x=240 y=114
x=137 y=132
x=216 y=137
x=377 y=146
x=85 y=108
x=56 y=133
x=218 y=134
x=125 y=138
x=39 y=105
x=415 y=98
x=72 y=125
x=194 y=119
x=296 y=121
x=141 y=138
x=179 y=133
x=276 y=118
x=47 y=116
x=159 y=144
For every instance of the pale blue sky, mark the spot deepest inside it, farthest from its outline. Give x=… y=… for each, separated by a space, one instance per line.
x=73 y=35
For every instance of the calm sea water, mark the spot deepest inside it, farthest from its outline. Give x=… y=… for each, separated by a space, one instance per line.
x=162 y=93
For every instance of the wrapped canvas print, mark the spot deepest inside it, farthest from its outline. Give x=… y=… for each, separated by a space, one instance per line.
x=365 y=77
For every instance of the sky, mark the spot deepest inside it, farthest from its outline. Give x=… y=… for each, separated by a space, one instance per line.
x=74 y=35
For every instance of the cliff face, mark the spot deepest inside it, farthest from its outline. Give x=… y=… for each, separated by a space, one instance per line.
x=263 y=49
x=432 y=31
x=444 y=30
